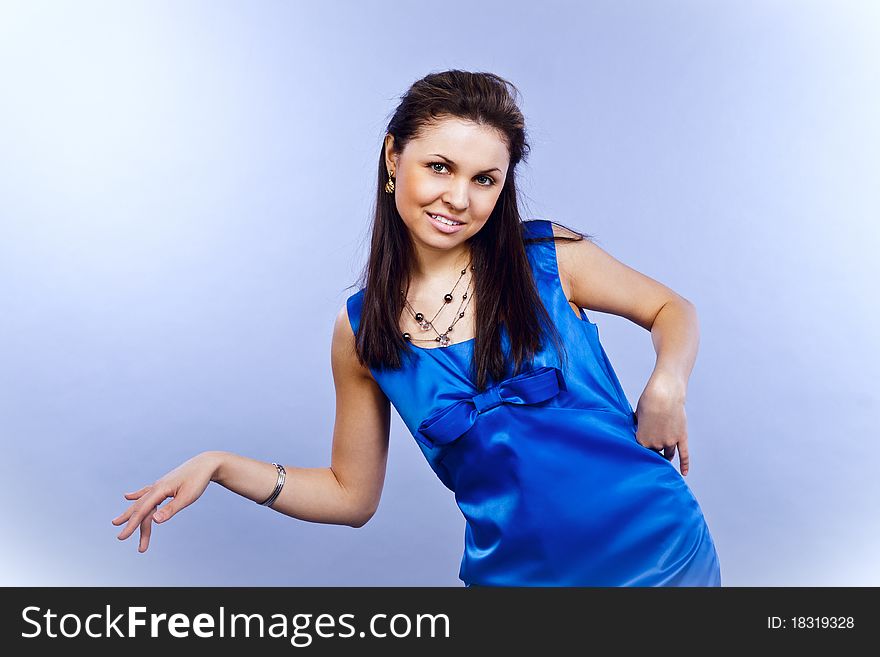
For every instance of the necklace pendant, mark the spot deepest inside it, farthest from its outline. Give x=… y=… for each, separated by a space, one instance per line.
x=444 y=340
x=426 y=325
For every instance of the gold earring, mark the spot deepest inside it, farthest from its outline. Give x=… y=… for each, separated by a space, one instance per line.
x=389 y=186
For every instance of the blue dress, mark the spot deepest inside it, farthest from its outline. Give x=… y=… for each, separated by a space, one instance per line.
x=545 y=466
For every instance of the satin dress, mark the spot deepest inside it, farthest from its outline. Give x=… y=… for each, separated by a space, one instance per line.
x=545 y=466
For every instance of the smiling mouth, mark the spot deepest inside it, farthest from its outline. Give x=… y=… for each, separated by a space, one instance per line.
x=444 y=220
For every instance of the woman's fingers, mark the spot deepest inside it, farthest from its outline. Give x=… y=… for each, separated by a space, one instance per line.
x=165 y=512
x=180 y=501
x=184 y=485
x=146 y=528
x=684 y=461
x=125 y=515
x=136 y=494
x=141 y=509
x=122 y=517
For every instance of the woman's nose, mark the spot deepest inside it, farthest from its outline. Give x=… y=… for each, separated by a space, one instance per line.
x=456 y=196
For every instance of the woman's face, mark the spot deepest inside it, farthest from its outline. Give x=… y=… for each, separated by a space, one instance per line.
x=455 y=168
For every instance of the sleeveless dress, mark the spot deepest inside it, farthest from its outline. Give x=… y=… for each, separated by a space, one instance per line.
x=545 y=466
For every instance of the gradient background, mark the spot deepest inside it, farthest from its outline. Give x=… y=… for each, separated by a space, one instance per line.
x=185 y=192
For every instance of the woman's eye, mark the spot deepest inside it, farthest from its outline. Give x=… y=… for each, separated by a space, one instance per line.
x=489 y=182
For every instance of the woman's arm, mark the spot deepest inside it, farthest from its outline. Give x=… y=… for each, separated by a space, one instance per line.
x=675 y=333
x=312 y=494
x=593 y=279
x=347 y=492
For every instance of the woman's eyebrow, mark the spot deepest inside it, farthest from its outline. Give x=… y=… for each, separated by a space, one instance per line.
x=453 y=163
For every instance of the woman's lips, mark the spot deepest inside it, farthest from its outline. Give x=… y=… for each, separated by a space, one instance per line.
x=443 y=228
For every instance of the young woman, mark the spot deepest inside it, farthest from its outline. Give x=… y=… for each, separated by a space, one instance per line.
x=469 y=322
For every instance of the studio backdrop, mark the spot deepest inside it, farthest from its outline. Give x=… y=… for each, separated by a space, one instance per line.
x=185 y=198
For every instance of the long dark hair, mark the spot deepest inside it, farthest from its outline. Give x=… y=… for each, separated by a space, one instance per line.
x=505 y=289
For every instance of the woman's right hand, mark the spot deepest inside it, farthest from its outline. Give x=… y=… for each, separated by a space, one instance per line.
x=185 y=484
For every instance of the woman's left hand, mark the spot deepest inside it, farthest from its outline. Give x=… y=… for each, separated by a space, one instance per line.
x=662 y=423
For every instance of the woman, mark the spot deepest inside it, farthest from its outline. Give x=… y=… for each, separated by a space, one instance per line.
x=469 y=322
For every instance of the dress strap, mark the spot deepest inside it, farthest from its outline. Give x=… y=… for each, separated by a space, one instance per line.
x=545 y=267
x=537 y=228
x=354 y=305
x=542 y=253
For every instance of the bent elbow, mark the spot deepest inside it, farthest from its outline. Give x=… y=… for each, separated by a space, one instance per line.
x=360 y=520
x=687 y=302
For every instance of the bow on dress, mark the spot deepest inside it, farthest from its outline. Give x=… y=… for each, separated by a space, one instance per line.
x=449 y=422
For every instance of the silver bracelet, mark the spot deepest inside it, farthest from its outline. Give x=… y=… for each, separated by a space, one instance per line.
x=278 y=486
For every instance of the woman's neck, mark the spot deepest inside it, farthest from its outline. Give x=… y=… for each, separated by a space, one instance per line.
x=440 y=264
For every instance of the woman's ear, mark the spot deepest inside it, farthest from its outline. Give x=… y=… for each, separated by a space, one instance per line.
x=390 y=154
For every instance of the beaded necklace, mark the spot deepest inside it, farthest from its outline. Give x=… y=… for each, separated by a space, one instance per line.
x=427 y=325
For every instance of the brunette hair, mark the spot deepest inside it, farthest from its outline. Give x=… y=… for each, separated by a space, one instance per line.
x=505 y=290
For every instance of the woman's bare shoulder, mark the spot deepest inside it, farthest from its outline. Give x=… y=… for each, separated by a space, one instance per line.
x=596 y=280
x=343 y=350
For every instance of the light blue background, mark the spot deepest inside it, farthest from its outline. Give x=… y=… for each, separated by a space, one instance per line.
x=185 y=192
